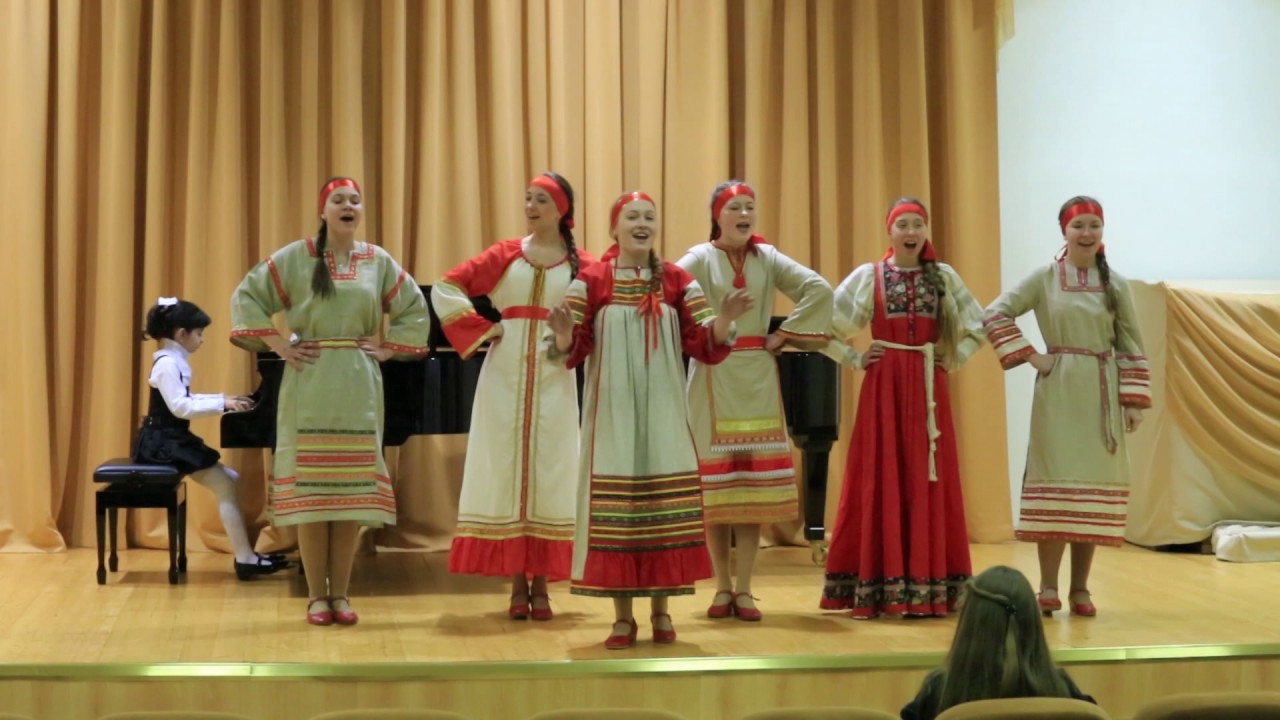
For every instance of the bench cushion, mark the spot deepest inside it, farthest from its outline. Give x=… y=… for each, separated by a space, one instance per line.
x=126 y=470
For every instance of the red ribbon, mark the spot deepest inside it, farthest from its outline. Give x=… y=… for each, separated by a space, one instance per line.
x=1080 y=208
x=904 y=208
x=334 y=185
x=927 y=253
x=557 y=194
x=622 y=202
x=726 y=195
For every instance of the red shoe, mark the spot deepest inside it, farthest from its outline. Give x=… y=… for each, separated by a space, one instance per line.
x=319 y=617
x=718 y=611
x=622 y=642
x=746 y=613
x=519 y=610
x=344 y=617
x=540 y=613
x=1049 y=606
x=1083 y=609
x=662 y=637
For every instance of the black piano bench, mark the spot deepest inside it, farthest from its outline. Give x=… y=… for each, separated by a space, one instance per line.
x=130 y=484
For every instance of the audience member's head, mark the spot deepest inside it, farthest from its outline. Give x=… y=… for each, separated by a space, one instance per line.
x=999 y=650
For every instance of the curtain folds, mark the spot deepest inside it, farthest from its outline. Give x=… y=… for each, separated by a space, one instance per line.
x=158 y=148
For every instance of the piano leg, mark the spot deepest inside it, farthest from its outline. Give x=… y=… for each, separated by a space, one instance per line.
x=814 y=468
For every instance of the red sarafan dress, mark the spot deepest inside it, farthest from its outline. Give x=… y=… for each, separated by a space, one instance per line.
x=899 y=545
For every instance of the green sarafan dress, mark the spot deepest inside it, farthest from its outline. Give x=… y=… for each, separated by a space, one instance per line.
x=328 y=459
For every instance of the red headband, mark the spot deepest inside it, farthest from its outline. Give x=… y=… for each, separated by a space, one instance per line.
x=334 y=185
x=1084 y=207
x=726 y=195
x=903 y=209
x=622 y=202
x=557 y=195
x=927 y=252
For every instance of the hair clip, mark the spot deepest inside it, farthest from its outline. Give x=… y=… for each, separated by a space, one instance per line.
x=167 y=301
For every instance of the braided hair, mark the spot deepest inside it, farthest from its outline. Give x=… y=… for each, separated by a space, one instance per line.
x=932 y=276
x=566 y=221
x=1104 y=270
x=321 y=280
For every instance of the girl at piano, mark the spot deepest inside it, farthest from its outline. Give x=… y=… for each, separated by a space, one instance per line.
x=515 y=514
x=166 y=437
x=899 y=544
x=1092 y=384
x=640 y=530
x=329 y=476
x=735 y=407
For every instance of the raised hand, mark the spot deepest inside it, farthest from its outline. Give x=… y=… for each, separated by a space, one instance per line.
x=561 y=320
x=735 y=304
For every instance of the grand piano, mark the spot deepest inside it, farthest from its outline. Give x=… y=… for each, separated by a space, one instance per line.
x=433 y=396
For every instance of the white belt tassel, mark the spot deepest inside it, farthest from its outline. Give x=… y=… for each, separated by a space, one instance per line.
x=930 y=403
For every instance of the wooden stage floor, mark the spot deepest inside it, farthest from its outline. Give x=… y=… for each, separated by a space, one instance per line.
x=1153 y=605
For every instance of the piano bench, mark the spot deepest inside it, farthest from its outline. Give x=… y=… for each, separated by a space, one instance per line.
x=129 y=484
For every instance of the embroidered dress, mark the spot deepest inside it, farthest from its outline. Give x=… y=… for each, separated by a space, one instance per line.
x=899 y=545
x=166 y=437
x=640 y=529
x=1076 y=484
x=735 y=407
x=516 y=511
x=328 y=462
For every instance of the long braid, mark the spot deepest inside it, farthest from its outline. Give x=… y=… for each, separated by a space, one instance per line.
x=1104 y=272
x=571 y=248
x=321 y=280
x=566 y=224
x=933 y=277
x=655 y=268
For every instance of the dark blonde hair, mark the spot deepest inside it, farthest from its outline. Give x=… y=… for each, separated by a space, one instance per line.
x=999 y=650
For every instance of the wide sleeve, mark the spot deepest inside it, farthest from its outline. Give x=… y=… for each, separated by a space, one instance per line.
x=166 y=376
x=409 y=323
x=809 y=324
x=260 y=295
x=1000 y=320
x=696 y=319
x=1131 y=361
x=854 y=302
x=967 y=329
x=451 y=297
x=584 y=340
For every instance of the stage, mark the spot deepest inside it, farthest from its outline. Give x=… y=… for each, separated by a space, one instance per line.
x=71 y=648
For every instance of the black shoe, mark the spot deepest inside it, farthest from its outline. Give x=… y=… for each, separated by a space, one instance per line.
x=263 y=566
x=281 y=561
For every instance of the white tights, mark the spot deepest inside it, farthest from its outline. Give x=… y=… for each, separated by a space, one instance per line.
x=222 y=481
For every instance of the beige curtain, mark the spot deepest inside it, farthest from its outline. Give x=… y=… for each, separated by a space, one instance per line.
x=160 y=148
x=1224 y=361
